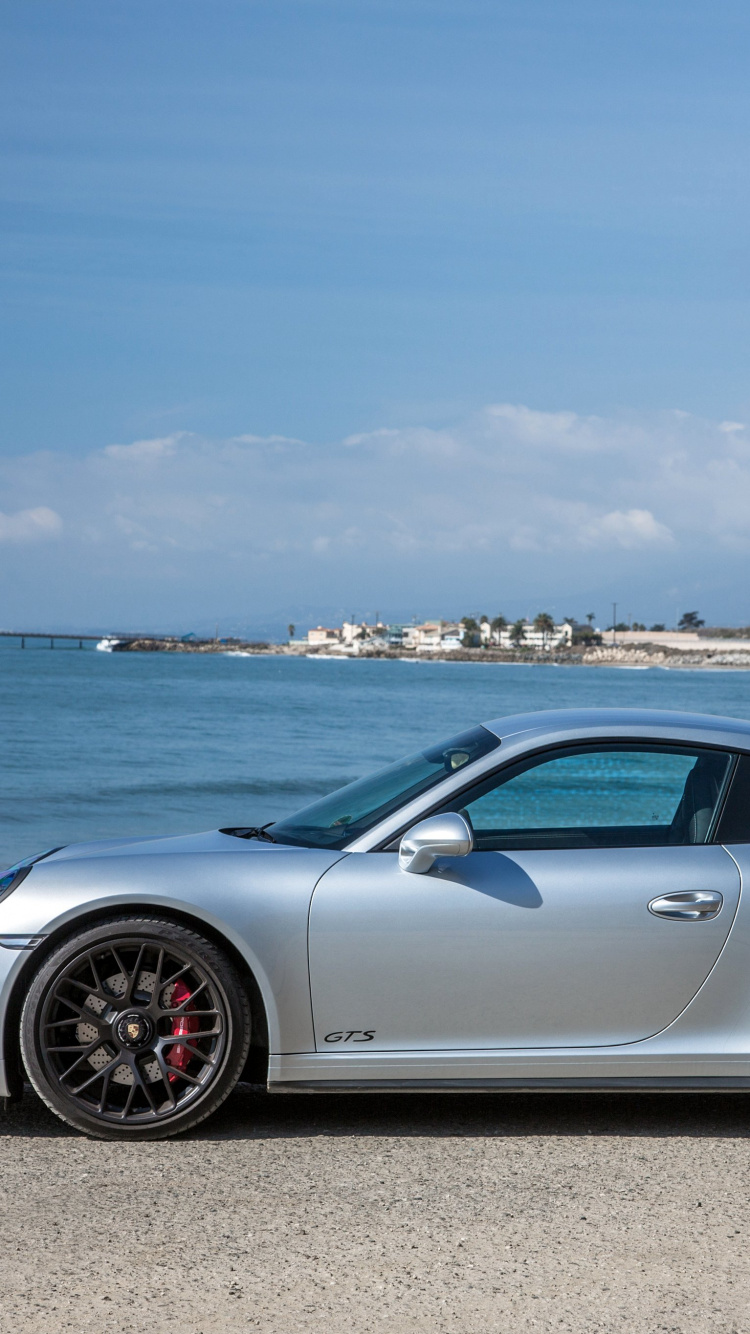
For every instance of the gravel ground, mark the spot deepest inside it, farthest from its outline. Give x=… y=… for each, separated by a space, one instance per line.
x=457 y=1213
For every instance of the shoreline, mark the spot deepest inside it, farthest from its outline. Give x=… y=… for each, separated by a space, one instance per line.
x=601 y=655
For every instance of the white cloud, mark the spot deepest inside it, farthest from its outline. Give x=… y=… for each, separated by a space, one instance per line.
x=31 y=525
x=509 y=490
x=149 y=450
x=550 y=429
x=629 y=529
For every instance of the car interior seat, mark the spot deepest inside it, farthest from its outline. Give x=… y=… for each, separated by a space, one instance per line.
x=692 y=819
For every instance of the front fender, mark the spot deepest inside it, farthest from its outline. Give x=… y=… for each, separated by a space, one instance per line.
x=257 y=899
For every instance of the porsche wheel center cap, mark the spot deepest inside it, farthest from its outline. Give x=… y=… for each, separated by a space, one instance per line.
x=133 y=1029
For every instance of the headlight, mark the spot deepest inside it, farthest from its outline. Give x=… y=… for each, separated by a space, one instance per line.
x=12 y=878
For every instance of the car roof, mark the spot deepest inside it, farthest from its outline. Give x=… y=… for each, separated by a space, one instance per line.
x=555 y=725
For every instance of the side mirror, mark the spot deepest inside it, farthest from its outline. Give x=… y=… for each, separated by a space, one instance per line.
x=446 y=835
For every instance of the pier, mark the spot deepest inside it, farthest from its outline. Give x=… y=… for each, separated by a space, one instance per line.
x=70 y=639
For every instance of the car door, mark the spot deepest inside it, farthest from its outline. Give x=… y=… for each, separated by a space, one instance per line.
x=593 y=907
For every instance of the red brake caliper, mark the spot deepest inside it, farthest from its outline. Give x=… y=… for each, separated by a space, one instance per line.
x=178 y=1056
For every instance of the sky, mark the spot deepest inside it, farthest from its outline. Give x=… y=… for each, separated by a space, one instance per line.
x=330 y=306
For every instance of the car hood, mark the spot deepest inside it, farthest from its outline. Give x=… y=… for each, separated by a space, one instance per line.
x=210 y=841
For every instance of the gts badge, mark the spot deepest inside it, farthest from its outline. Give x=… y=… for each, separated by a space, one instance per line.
x=354 y=1035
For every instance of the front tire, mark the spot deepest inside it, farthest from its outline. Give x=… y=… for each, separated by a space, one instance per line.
x=135 y=1029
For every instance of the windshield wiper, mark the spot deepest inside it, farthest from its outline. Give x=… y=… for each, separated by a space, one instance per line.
x=252 y=831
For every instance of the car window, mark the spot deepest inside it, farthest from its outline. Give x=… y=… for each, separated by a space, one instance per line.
x=599 y=796
x=348 y=813
x=734 y=825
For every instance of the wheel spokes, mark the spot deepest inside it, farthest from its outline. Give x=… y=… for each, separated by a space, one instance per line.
x=79 y=1009
x=184 y=1038
x=133 y=979
x=175 y=976
x=132 y=1084
x=147 y=1093
x=208 y=1059
x=128 y=1101
x=106 y=1078
x=183 y=1074
x=98 y=1074
x=164 y=1074
x=67 y=1023
x=174 y=1010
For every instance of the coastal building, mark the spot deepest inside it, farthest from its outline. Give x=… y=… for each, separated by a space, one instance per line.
x=451 y=643
x=437 y=636
x=451 y=636
x=433 y=636
x=359 y=632
x=323 y=635
x=429 y=637
x=560 y=636
x=394 y=635
x=425 y=638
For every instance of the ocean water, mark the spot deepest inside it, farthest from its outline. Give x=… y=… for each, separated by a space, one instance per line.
x=97 y=745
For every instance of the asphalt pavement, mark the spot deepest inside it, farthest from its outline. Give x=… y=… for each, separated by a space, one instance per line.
x=451 y=1213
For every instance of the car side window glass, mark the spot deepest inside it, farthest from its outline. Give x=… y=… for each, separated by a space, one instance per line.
x=599 y=796
x=734 y=825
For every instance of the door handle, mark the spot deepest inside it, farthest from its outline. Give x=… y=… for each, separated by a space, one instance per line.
x=690 y=906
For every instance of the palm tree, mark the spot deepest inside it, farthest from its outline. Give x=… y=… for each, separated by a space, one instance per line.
x=544 y=623
x=471 y=629
x=291 y=628
x=497 y=625
x=518 y=632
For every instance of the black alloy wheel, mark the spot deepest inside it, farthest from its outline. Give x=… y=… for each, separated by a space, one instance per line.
x=135 y=1029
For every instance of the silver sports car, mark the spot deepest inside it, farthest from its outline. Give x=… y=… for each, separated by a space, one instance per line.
x=551 y=899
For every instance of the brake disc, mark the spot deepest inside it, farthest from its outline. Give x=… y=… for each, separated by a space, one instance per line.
x=86 y=1033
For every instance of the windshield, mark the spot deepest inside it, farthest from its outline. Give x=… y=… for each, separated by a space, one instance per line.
x=348 y=813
